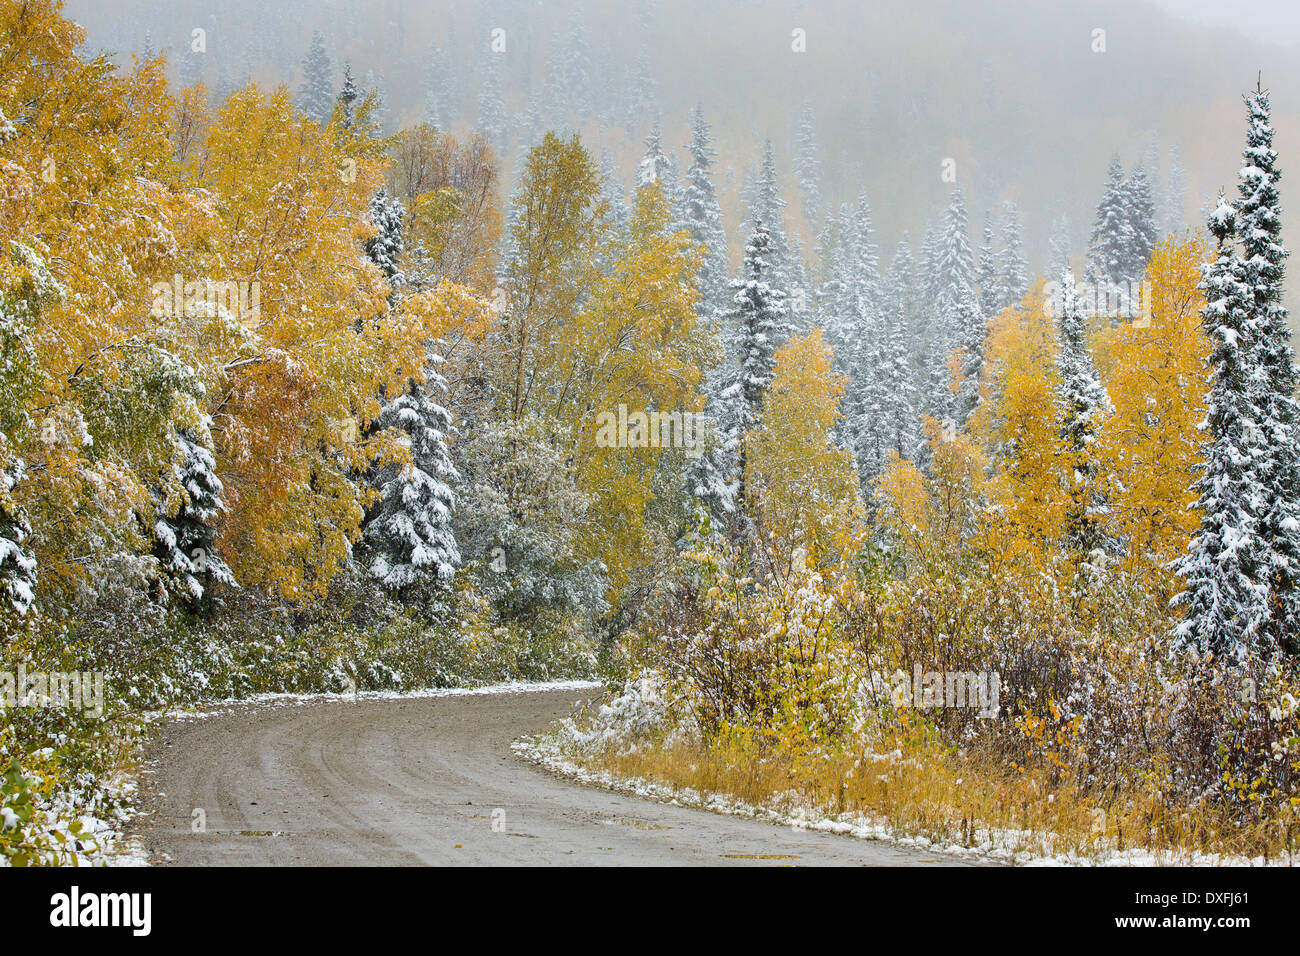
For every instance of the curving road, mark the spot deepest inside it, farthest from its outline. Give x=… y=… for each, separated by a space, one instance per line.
x=416 y=781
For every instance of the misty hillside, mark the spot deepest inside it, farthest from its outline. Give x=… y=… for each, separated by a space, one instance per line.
x=1012 y=92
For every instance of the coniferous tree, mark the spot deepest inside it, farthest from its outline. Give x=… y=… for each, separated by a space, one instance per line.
x=1084 y=404
x=492 y=118
x=17 y=565
x=807 y=167
x=408 y=533
x=316 y=95
x=760 y=324
x=765 y=207
x=1111 y=244
x=1011 y=260
x=189 y=503
x=1224 y=572
x=1141 y=213
x=384 y=248
x=703 y=218
x=991 y=295
x=1258 y=223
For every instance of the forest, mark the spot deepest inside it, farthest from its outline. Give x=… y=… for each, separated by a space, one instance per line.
x=295 y=398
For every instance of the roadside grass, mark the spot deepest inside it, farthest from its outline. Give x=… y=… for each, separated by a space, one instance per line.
x=921 y=791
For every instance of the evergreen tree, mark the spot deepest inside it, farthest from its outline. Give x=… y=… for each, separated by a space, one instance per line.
x=1226 y=597
x=1258 y=222
x=759 y=320
x=1083 y=405
x=17 y=565
x=316 y=95
x=1111 y=243
x=347 y=98
x=492 y=118
x=439 y=89
x=1058 y=246
x=384 y=248
x=1141 y=213
x=765 y=205
x=188 y=504
x=991 y=295
x=408 y=533
x=655 y=166
x=1175 y=192
x=955 y=266
x=807 y=167
x=974 y=332
x=703 y=218
x=1011 y=262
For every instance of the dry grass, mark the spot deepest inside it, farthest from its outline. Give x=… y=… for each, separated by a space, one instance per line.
x=924 y=790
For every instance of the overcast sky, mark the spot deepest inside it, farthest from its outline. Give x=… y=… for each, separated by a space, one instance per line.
x=1270 y=21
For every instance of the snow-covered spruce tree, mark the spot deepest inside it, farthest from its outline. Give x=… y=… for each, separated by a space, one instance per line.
x=641 y=93
x=1111 y=243
x=1175 y=198
x=1058 y=246
x=492 y=118
x=955 y=266
x=384 y=248
x=316 y=95
x=655 y=166
x=188 y=504
x=986 y=274
x=973 y=328
x=765 y=205
x=1083 y=404
x=807 y=167
x=883 y=402
x=17 y=564
x=347 y=98
x=760 y=323
x=865 y=259
x=1141 y=212
x=407 y=536
x=1225 y=597
x=1011 y=260
x=1258 y=223
x=703 y=218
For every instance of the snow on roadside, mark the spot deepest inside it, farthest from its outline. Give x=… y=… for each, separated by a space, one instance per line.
x=216 y=708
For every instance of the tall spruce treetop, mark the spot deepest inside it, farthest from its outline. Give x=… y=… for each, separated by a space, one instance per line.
x=956 y=262
x=316 y=95
x=1226 y=596
x=1111 y=244
x=1082 y=396
x=766 y=206
x=1258 y=227
x=655 y=166
x=807 y=167
x=761 y=326
x=1141 y=212
x=703 y=217
x=986 y=274
x=1083 y=404
x=1011 y=261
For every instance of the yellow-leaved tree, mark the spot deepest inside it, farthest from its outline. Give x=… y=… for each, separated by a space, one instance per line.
x=803 y=489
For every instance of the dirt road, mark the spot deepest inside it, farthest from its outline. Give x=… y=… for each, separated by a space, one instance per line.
x=421 y=781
